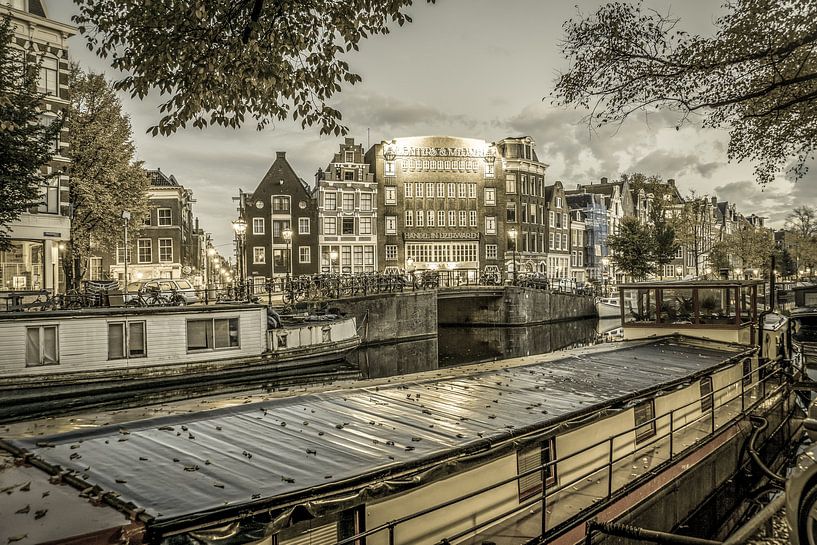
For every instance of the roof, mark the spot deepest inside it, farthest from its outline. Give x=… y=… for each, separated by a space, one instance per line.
x=160 y=179
x=259 y=455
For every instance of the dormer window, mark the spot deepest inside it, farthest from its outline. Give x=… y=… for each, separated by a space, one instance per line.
x=349 y=157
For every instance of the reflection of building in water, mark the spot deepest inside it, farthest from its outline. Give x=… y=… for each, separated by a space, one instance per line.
x=463 y=345
x=441 y=208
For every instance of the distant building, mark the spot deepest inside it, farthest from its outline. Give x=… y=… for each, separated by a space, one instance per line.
x=281 y=204
x=558 y=231
x=440 y=205
x=578 y=231
x=526 y=203
x=590 y=207
x=347 y=209
x=33 y=262
x=164 y=246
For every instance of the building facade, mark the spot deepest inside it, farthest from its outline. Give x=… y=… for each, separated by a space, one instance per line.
x=558 y=232
x=441 y=206
x=347 y=210
x=33 y=262
x=164 y=246
x=590 y=208
x=525 y=203
x=281 y=236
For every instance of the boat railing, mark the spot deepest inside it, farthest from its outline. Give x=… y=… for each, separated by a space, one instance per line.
x=770 y=373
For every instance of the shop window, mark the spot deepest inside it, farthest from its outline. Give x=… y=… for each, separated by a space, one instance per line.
x=42 y=345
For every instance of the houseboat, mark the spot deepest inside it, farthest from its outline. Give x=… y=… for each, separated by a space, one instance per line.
x=99 y=352
x=642 y=431
x=608 y=307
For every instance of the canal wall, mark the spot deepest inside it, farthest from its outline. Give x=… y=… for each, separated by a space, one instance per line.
x=509 y=306
x=398 y=332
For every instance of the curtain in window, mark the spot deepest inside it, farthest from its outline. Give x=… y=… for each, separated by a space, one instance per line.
x=197 y=334
x=33 y=346
x=49 y=345
x=136 y=339
x=116 y=342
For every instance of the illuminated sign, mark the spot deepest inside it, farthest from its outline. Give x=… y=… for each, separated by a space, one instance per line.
x=415 y=151
x=446 y=235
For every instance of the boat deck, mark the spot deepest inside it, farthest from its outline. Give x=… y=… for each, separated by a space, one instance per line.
x=258 y=454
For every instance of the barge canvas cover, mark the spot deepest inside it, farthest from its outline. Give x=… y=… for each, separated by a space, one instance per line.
x=254 y=469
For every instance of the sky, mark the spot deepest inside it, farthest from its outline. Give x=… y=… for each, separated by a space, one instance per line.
x=470 y=68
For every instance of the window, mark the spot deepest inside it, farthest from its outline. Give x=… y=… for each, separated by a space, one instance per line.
x=558 y=202
x=126 y=340
x=430 y=218
x=391 y=252
x=441 y=190
x=430 y=190
x=303 y=226
x=409 y=218
x=348 y=202
x=147 y=218
x=490 y=251
x=462 y=190
x=644 y=420
x=330 y=201
x=212 y=334
x=418 y=192
x=278 y=227
x=565 y=221
x=349 y=175
x=452 y=191
x=421 y=216
x=452 y=218
x=304 y=254
x=165 y=216
x=348 y=226
x=145 y=250
x=389 y=168
x=165 y=250
x=409 y=190
x=365 y=226
x=259 y=255
x=329 y=226
x=472 y=191
x=366 y=202
x=42 y=345
x=463 y=218
x=120 y=254
x=511 y=212
x=552 y=219
x=391 y=225
x=527 y=460
x=258 y=226
x=490 y=196
x=472 y=218
x=706 y=394
x=747 y=372
x=490 y=225
x=349 y=156
x=48 y=82
x=510 y=183
x=391 y=195
x=564 y=241
x=280 y=203
x=441 y=218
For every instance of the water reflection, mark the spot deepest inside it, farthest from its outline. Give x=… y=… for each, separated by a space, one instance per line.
x=389 y=360
x=463 y=345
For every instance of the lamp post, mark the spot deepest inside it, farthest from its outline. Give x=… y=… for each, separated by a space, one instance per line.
x=333 y=255
x=240 y=227
x=287 y=234
x=211 y=252
x=512 y=235
x=679 y=270
x=126 y=219
x=605 y=262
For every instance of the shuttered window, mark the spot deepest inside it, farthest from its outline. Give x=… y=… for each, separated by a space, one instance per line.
x=644 y=420
x=530 y=458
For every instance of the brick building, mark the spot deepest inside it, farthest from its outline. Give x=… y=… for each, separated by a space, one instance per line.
x=33 y=262
x=440 y=205
x=347 y=208
x=281 y=204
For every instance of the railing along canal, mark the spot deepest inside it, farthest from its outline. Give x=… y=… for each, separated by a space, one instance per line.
x=768 y=372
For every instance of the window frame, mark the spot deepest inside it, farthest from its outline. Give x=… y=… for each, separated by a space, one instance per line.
x=256 y=253
x=160 y=220
x=301 y=254
x=647 y=427
x=304 y=226
x=126 y=337
x=159 y=247
x=41 y=345
x=212 y=334
x=140 y=247
x=259 y=226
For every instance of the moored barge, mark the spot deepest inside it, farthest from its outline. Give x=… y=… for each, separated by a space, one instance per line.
x=511 y=452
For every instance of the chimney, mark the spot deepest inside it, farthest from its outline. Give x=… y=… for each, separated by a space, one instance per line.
x=671 y=182
x=319 y=176
x=349 y=141
x=280 y=155
x=604 y=179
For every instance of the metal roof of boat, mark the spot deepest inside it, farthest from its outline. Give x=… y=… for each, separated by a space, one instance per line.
x=223 y=461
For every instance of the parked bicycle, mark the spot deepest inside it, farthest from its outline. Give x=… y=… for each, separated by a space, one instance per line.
x=148 y=297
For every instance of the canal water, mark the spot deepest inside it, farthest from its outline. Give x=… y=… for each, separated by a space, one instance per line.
x=465 y=345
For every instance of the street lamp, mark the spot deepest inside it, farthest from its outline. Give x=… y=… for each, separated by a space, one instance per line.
x=333 y=255
x=126 y=219
x=240 y=227
x=605 y=262
x=287 y=234
x=512 y=234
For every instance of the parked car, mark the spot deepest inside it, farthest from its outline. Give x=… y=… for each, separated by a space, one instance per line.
x=166 y=287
